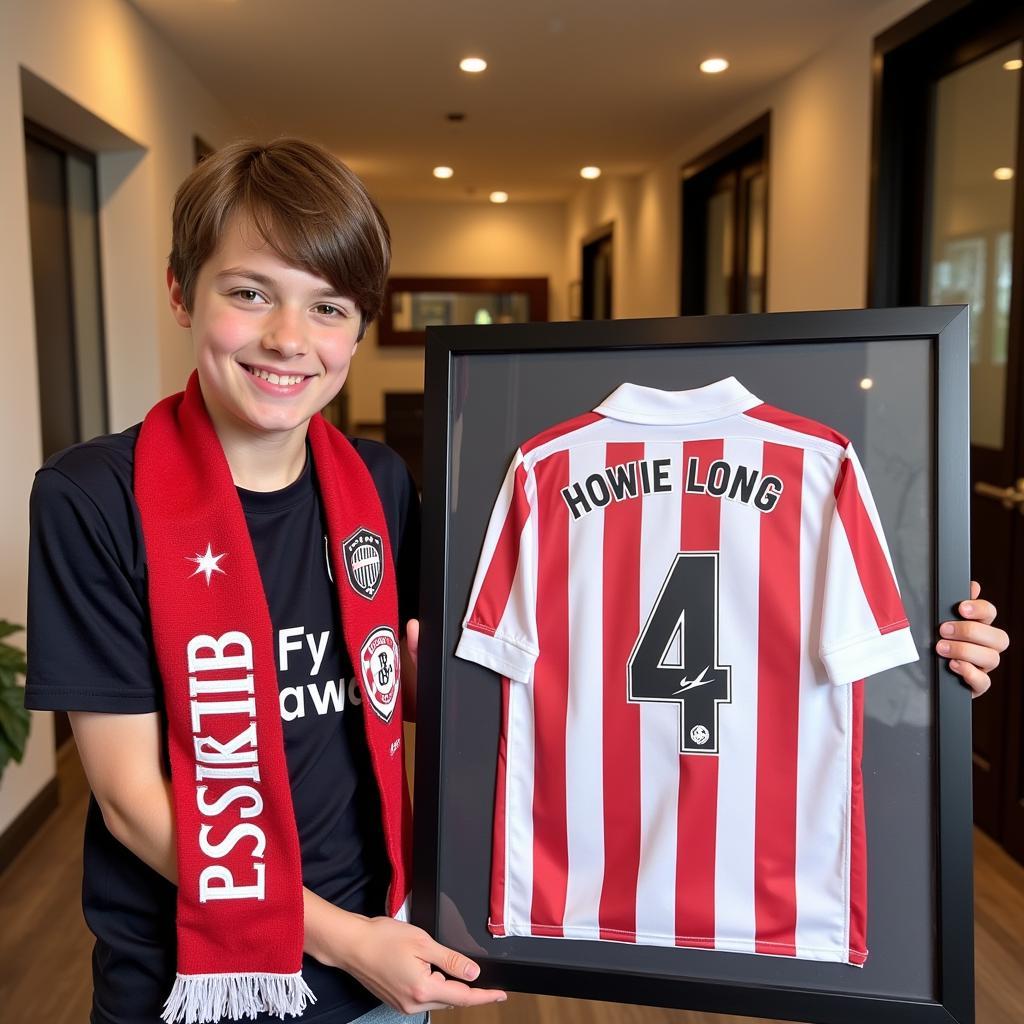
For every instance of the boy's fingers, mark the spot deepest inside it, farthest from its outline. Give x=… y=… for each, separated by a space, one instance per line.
x=452 y=962
x=975 y=589
x=447 y=992
x=979 y=611
x=984 y=658
x=977 y=680
x=975 y=632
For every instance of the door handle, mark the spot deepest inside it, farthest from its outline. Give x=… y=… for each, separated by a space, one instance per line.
x=1008 y=497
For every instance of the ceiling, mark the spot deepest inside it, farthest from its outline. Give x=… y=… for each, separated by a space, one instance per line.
x=570 y=82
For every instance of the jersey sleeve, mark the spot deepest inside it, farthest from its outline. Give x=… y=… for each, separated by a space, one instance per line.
x=87 y=632
x=864 y=628
x=500 y=627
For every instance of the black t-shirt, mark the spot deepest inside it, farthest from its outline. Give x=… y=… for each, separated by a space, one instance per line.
x=90 y=649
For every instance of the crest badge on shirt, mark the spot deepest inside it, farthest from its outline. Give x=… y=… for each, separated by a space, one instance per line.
x=363 y=555
x=380 y=669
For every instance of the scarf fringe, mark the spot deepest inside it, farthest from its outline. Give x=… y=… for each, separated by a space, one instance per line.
x=206 y=998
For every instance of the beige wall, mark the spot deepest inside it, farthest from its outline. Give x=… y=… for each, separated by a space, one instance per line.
x=819 y=188
x=457 y=240
x=115 y=87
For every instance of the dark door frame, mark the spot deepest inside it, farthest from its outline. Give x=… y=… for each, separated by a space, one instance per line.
x=698 y=181
x=41 y=134
x=589 y=247
x=908 y=59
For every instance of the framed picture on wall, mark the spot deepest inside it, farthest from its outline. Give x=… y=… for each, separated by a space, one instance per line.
x=412 y=304
x=682 y=739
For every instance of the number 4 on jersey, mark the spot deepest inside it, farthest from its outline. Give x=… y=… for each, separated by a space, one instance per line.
x=675 y=657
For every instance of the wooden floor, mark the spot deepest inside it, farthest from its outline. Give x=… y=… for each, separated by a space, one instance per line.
x=45 y=947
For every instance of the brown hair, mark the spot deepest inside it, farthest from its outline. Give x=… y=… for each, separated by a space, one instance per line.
x=305 y=204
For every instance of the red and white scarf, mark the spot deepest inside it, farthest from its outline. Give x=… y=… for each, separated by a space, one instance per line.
x=239 y=915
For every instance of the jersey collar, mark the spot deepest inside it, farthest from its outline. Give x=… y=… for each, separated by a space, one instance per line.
x=637 y=404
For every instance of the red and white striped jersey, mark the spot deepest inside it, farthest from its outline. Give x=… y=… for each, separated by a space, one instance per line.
x=682 y=592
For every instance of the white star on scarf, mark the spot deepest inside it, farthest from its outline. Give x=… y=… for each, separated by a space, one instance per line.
x=207 y=563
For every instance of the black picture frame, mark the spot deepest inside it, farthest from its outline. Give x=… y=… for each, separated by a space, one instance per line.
x=944 y=332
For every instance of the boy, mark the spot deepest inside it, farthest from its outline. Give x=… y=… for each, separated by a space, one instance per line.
x=279 y=261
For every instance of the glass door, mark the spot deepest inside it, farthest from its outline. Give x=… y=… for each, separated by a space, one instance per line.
x=973 y=176
x=735 y=242
x=948 y=227
x=725 y=225
x=974 y=185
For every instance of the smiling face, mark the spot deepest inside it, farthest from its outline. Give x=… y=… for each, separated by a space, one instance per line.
x=273 y=343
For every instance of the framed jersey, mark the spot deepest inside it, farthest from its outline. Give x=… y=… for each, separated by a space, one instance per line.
x=679 y=721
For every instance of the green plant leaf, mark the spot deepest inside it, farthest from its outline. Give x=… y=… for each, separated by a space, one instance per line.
x=14 y=719
x=7 y=628
x=8 y=752
x=14 y=726
x=12 y=659
x=13 y=696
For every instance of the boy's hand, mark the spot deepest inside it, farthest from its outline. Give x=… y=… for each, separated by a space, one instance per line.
x=972 y=643
x=398 y=963
x=412 y=640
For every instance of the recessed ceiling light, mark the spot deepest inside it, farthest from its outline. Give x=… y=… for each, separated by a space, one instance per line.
x=499 y=197
x=590 y=173
x=713 y=65
x=866 y=384
x=474 y=65
x=1013 y=65
x=1003 y=173
x=443 y=172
